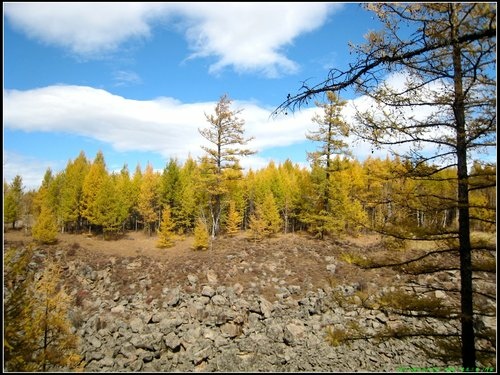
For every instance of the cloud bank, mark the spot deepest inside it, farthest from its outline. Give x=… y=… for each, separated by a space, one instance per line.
x=163 y=125
x=244 y=36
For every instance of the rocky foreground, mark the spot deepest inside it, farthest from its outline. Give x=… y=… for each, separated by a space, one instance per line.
x=132 y=315
x=220 y=329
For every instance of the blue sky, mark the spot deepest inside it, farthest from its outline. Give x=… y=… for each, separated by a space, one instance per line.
x=135 y=79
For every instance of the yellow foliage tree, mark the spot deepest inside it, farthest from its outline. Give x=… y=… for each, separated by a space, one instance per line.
x=37 y=329
x=233 y=220
x=92 y=184
x=148 y=200
x=166 y=233
x=225 y=134
x=200 y=235
x=266 y=219
x=45 y=228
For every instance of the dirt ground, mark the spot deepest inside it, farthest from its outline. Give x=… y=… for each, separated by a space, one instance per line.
x=288 y=259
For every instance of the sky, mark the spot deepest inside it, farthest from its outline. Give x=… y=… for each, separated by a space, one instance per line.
x=135 y=80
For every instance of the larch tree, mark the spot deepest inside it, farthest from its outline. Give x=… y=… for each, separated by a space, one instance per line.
x=170 y=188
x=188 y=204
x=266 y=220
x=45 y=228
x=288 y=194
x=135 y=191
x=166 y=232
x=110 y=208
x=375 y=199
x=225 y=135
x=50 y=321
x=92 y=185
x=148 y=200
x=126 y=196
x=43 y=191
x=233 y=222
x=72 y=191
x=18 y=282
x=13 y=201
x=38 y=334
x=28 y=204
x=445 y=99
x=331 y=134
x=201 y=235
x=314 y=214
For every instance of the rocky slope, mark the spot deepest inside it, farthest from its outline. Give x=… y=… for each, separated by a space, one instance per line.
x=249 y=309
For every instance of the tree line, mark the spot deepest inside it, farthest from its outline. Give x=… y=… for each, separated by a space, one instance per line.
x=346 y=197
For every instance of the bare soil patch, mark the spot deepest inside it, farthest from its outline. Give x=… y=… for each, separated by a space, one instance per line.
x=259 y=267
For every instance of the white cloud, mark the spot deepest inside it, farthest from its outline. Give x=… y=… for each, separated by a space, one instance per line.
x=86 y=29
x=246 y=36
x=126 y=78
x=163 y=125
x=251 y=36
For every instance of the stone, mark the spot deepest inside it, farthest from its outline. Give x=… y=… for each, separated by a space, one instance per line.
x=220 y=341
x=158 y=317
x=210 y=334
x=129 y=351
x=275 y=332
x=208 y=291
x=107 y=362
x=118 y=309
x=292 y=334
x=266 y=307
x=172 y=341
x=201 y=355
x=204 y=300
x=134 y=265
x=142 y=342
x=382 y=318
x=331 y=268
x=238 y=288
x=136 y=325
x=193 y=333
x=169 y=324
x=356 y=300
x=440 y=294
x=94 y=341
x=136 y=365
x=212 y=277
x=93 y=356
x=193 y=279
x=212 y=328
x=230 y=330
x=218 y=300
x=173 y=297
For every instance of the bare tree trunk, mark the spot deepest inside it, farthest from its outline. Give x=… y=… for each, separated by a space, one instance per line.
x=467 y=317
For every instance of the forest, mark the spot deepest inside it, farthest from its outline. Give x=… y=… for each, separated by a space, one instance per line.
x=445 y=199
x=375 y=193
